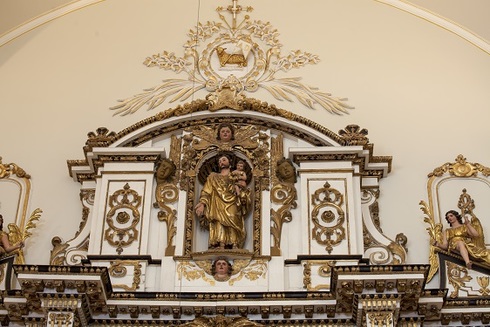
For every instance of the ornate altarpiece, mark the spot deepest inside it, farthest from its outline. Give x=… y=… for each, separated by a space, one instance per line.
x=308 y=238
x=128 y=214
x=315 y=253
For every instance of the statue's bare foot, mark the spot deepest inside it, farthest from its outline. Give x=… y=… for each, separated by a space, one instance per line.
x=469 y=265
x=221 y=245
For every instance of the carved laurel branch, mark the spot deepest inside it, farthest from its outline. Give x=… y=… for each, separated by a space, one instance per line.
x=309 y=96
x=180 y=89
x=264 y=31
x=253 y=271
x=17 y=235
x=435 y=234
x=191 y=271
x=183 y=89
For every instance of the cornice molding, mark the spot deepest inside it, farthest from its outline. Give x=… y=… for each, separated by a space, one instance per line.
x=402 y=5
x=45 y=18
x=441 y=22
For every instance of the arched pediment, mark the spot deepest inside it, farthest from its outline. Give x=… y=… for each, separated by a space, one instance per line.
x=144 y=134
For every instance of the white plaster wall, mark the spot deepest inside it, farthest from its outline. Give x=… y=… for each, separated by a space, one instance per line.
x=421 y=91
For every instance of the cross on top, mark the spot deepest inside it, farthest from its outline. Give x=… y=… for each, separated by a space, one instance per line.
x=234 y=9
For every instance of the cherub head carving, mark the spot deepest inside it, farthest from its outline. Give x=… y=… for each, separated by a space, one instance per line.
x=225 y=133
x=221 y=269
x=165 y=170
x=285 y=171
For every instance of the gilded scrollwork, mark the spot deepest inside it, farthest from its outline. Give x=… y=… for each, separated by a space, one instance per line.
x=101 y=137
x=193 y=271
x=118 y=269
x=221 y=321
x=458 y=277
x=345 y=295
x=382 y=318
x=226 y=96
x=467 y=205
x=354 y=135
x=197 y=106
x=241 y=268
x=324 y=270
x=283 y=192
x=250 y=270
x=74 y=251
x=122 y=230
x=328 y=217
x=307 y=275
x=168 y=215
x=460 y=168
x=380 y=249
x=167 y=193
x=7 y=170
x=12 y=172
x=381 y=254
x=401 y=240
x=60 y=318
x=87 y=197
x=483 y=282
x=285 y=195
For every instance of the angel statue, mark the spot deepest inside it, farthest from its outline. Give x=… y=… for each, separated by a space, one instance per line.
x=463 y=237
x=226 y=136
x=17 y=237
x=6 y=247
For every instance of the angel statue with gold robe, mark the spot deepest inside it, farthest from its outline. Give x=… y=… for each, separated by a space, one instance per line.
x=13 y=241
x=463 y=237
x=5 y=246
